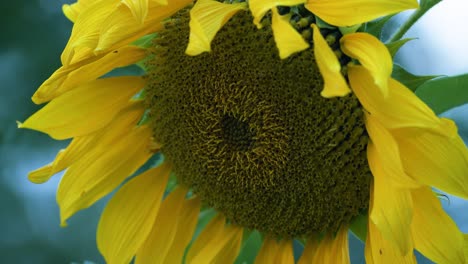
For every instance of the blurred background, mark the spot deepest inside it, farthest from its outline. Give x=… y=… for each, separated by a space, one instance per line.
x=33 y=34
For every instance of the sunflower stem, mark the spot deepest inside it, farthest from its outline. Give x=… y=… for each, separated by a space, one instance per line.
x=407 y=25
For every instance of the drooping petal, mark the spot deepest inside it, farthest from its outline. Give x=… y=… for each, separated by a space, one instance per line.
x=380 y=251
x=436 y=160
x=185 y=229
x=372 y=54
x=351 y=12
x=115 y=156
x=384 y=155
x=130 y=214
x=260 y=7
x=120 y=27
x=330 y=68
x=273 y=251
x=401 y=108
x=287 y=39
x=435 y=234
x=207 y=17
x=333 y=249
x=309 y=251
x=86 y=108
x=216 y=239
x=69 y=77
x=157 y=247
x=391 y=210
x=139 y=9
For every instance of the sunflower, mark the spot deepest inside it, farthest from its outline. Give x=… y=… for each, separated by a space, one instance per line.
x=282 y=126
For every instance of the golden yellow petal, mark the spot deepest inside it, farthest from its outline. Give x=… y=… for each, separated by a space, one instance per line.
x=391 y=210
x=287 y=39
x=434 y=159
x=435 y=234
x=69 y=77
x=130 y=214
x=384 y=147
x=333 y=249
x=72 y=11
x=268 y=251
x=85 y=109
x=260 y=7
x=372 y=54
x=231 y=250
x=309 y=251
x=380 y=251
x=185 y=228
x=401 y=108
x=351 y=12
x=207 y=17
x=216 y=239
x=116 y=155
x=329 y=66
x=161 y=238
x=42 y=174
x=120 y=27
x=139 y=9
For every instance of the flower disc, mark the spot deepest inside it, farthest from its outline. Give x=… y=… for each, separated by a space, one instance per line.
x=251 y=135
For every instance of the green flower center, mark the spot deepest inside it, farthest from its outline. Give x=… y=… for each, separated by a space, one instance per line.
x=251 y=135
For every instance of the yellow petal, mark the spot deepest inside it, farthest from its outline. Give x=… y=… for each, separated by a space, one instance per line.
x=139 y=9
x=85 y=33
x=185 y=228
x=230 y=251
x=372 y=54
x=466 y=246
x=351 y=12
x=391 y=210
x=384 y=155
x=379 y=251
x=435 y=234
x=85 y=109
x=129 y=215
x=333 y=249
x=162 y=236
x=260 y=7
x=309 y=251
x=207 y=17
x=118 y=154
x=329 y=66
x=401 y=108
x=215 y=239
x=120 y=27
x=72 y=11
x=287 y=39
x=437 y=160
x=272 y=251
x=69 y=77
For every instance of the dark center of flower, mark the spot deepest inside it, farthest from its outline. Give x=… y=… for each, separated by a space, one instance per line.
x=251 y=135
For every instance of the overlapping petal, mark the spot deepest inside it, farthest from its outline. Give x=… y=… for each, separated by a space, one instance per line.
x=309 y=251
x=372 y=54
x=215 y=240
x=273 y=251
x=329 y=66
x=207 y=17
x=351 y=12
x=85 y=109
x=380 y=251
x=260 y=7
x=333 y=249
x=130 y=214
x=435 y=234
x=69 y=77
x=287 y=39
x=72 y=11
x=139 y=9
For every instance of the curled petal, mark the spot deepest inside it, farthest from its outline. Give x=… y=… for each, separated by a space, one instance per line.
x=372 y=54
x=260 y=7
x=351 y=12
x=207 y=17
x=330 y=68
x=139 y=9
x=287 y=39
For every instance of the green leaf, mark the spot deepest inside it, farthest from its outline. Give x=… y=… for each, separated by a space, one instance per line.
x=395 y=46
x=408 y=79
x=444 y=93
x=145 y=41
x=251 y=244
x=375 y=27
x=359 y=226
